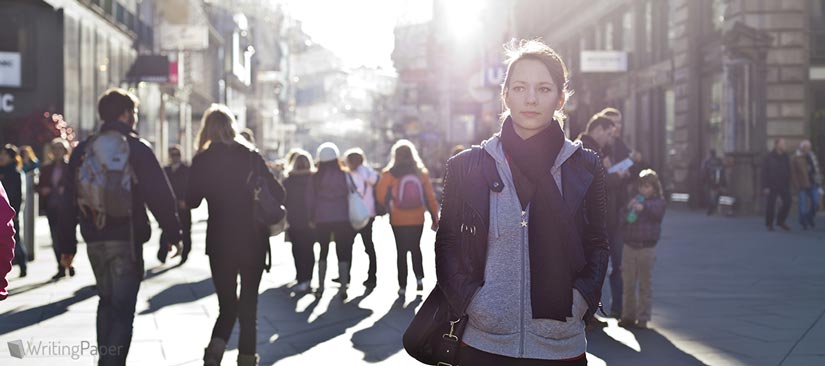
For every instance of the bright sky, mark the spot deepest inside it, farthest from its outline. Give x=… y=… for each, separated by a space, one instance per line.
x=360 y=32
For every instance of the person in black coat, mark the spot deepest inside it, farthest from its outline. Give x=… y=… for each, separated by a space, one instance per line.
x=235 y=242
x=10 y=164
x=776 y=180
x=300 y=232
x=178 y=173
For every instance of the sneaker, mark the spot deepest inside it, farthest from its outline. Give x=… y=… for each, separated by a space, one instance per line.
x=59 y=275
x=595 y=323
x=626 y=323
x=370 y=283
x=336 y=280
x=301 y=287
x=419 y=286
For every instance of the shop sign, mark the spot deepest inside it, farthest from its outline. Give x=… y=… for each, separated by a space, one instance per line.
x=10 y=69
x=603 y=61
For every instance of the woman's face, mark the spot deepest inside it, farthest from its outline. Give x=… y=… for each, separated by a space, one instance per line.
x=532 y=97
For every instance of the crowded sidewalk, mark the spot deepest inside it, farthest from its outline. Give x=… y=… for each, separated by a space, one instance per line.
x=725 y=293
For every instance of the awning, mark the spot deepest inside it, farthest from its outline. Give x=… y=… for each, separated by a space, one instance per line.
x=149 y=68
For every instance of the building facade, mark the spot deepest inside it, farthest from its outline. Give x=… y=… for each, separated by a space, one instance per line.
x=697 y=75
x=58 y=57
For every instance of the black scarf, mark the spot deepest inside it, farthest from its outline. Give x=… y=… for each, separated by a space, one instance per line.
x=551 y=280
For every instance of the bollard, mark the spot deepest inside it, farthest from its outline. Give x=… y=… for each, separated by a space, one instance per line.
x=29 y=208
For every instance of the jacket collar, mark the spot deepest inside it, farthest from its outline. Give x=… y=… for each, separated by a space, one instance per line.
x=494 y=148
x=119 y=127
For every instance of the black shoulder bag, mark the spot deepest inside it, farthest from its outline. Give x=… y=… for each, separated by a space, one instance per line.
x=266 y=210
x=433 y=337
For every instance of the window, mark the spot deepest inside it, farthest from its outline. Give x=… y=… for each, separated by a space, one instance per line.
x=627 y=31
x=648 y=19
x=718 y=8
x=608 y=36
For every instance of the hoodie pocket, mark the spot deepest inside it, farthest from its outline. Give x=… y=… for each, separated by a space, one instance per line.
x=495 y=310
x=554 y=329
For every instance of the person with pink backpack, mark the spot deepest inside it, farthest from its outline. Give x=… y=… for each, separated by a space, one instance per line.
x=406 y=189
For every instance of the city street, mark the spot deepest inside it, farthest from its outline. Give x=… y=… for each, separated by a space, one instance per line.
x=726 y=292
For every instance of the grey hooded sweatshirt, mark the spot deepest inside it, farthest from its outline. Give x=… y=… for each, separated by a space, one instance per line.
x=500 y=314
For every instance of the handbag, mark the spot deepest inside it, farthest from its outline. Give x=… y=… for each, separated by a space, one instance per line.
x=359 y=215
x=266 y=210
x=433 y=338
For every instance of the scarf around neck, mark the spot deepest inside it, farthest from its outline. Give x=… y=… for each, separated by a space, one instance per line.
x=530 y=161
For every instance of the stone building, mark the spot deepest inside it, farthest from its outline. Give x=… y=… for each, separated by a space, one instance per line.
x=693 y=75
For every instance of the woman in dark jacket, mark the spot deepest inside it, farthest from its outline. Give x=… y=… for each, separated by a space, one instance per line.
x=10 y=165
x=302 y=236
x=51 y=188
x=235 y=242
x=521 y=249
x=330 y=213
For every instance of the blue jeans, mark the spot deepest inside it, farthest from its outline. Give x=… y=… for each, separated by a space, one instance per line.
x=118 y=271
x=808 y=203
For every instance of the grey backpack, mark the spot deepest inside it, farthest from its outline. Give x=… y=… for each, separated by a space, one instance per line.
x=105 y=179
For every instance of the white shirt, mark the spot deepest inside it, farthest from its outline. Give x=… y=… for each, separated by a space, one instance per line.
x=365 y=179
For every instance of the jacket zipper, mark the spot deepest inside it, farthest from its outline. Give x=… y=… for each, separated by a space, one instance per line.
x=522 y=333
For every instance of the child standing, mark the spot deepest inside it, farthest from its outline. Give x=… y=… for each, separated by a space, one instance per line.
x=641 y=230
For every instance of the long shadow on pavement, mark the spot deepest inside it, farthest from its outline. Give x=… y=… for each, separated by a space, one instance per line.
x=383 y=339
x=654 y=348
x=14 y=320
x=293 y=332
x=179 y=294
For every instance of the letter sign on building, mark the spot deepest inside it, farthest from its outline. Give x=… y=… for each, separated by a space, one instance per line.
x=6 y=103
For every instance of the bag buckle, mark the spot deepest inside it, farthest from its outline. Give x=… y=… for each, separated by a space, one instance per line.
x=451 y=335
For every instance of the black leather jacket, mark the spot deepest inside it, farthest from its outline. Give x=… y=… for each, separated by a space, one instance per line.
x=461 y=241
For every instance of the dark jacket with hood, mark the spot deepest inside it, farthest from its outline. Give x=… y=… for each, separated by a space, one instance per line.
x=328 y=196
x=297 y=186
x=151 y=190
x=219 y=175
x=476 y=223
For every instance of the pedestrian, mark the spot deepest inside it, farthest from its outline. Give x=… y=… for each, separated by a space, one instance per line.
x=521 y=248
x=10 y=165
x=776 y=177
x=300 y=232
x=330 y=213
x=235 y=242
x=806 y=179
x=598 y=136
x=365 y=178
x=52 y=189
x=641 y=230
x=713 y=177
x=30 y=161
x=178 y=174
x=6 y=241
x=405 y=184
x=618 y=148
x=115 y=229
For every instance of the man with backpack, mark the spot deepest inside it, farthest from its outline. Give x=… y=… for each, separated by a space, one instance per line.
x=111 y=178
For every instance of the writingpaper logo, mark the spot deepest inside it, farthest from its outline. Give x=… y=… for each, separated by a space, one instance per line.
x=16 y=349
